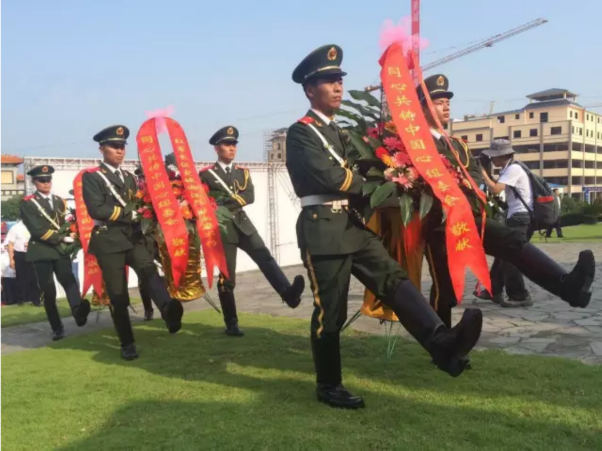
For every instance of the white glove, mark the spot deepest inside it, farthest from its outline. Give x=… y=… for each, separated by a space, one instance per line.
x=134 y=215
x=67 y=240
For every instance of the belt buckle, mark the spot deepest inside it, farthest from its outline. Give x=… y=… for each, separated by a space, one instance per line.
x=337 y=206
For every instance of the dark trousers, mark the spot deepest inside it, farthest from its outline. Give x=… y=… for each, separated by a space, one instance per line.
x=504 y=274
x=9 y=290
x=45 y=272
x=499 y=241
x=27 y=287
x=558 y=230
x=113 y=273
x=254 y=246
x=146 y=297
x=330 y=276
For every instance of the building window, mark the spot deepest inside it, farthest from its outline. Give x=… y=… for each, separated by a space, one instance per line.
x=516 y=133
x=517 y=116
x=531 y=115
x=576 y=115
x=501 y=119
x=278 y=146
x=570 y=114
x=279 y=156
x=533 y=132
x=543 y=117
x=464 y=137
x=581 y=131
x=556 y=131
x=479 y=137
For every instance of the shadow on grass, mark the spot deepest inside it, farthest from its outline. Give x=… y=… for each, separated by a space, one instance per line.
x=201 y=351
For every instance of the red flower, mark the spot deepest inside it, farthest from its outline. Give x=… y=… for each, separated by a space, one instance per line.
x=148 y=214
x=373 y=132
x=385 y=157
x=393 y=144
x=205 y=187
x=73 y=228
x=213 y=203
x=171 y=174
x=402 y=159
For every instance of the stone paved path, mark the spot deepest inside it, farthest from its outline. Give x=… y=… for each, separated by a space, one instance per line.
x=550 y=327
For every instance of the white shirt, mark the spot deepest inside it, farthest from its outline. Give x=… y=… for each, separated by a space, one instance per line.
x=7 y=271
x=224 y=166
x=19 y=236
x=114 y=170
x=322 y=116
x=514 y=176
x=436 y=134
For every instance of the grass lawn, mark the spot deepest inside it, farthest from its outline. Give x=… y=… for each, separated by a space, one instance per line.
x=14 y=315
x=584 y=233
x=200 y=389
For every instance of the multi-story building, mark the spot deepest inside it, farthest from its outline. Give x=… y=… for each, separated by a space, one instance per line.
x=277 y=148
x=554 y=135
x=13 y=183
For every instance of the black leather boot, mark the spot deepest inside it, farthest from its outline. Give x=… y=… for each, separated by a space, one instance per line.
x=573 y=287
x=148 y=314
x=81 y=312
x=58 y=334
x=228 y=303
x=327 y=361
x=123 y=326
x=448 y=347
x=292 y=294
x=172 y=314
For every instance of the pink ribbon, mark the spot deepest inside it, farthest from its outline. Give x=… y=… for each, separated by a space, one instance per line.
x=159 y=116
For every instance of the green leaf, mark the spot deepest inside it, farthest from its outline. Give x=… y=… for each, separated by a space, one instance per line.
x=406 y=206
x=381 y=193
x=368 y=114
x=426 y=202
x=374 y=143
x=369 y=187
x=366 y=97
x=360 y=145
x=145 y=224
x=373 y=172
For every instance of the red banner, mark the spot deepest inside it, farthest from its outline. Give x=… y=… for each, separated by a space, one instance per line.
x=206 y=223
x=164 y=201
x=92 y=272
x=464 y=246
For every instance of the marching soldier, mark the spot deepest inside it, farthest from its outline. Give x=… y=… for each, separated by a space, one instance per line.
x=118 y=242
x=43 y=214
x=499 y=240
x=232 y=187
x=335 y=243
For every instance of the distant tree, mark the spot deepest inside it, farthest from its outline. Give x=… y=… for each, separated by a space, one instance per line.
x=10 y=208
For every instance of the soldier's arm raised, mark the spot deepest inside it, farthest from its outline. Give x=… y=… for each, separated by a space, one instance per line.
x=38 y=227
x=305 y=149
x=95 y=201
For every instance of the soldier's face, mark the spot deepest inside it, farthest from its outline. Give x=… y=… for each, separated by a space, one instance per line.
x=113 y=153
x=442 y=110
x=326 y=94
x=43 y=185
x=226 y=151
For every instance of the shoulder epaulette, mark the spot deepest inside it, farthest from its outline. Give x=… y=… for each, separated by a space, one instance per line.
x=240 y=167
x=96 y=169
x=306 y=120
x=31 y=196
x=206 y=168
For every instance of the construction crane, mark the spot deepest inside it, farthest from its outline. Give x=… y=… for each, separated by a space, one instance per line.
x=481 y=45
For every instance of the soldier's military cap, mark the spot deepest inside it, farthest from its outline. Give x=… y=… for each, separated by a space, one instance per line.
x=115 y=133
x=322 y=62
x=437 y=86
x=43 y=172
x=227 y=133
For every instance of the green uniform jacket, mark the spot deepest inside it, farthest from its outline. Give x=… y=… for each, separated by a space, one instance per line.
x=115 y=233
x=314 y=171
x=45 y=241
x=243 y=193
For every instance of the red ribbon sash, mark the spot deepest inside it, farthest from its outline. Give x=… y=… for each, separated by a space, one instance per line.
x=464 y=246
x=206 y=223
x=163 y=199
x=92 y=271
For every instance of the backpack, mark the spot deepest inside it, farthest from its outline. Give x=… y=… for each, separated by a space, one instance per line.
x=545 y=211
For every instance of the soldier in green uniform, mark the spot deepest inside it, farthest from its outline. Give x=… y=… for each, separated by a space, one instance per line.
x=499 y=240
x=43 y=214
x=232 y=187
x=117 y=239
x=335 y=243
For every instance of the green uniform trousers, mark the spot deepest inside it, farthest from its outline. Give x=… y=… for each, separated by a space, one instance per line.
x=330 y=276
